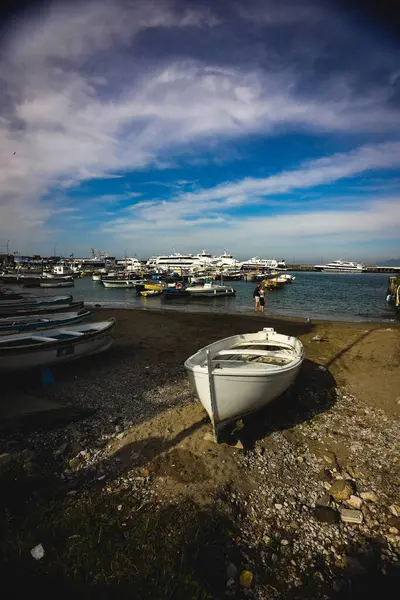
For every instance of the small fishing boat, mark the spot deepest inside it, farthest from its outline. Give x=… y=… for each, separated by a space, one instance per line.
x=35 y=301
x=157 y=287
x=54 y=346
x=122 y=283
x=150 y=293
x=210 y=290
x=35 y=309
x=57 y=283
x=17 y=324
x=178 y=291
x=242 y=373
x=273 y=284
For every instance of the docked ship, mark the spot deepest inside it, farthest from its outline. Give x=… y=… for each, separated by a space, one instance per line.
x=263 y=264
x=341 y=266
x=189 y=262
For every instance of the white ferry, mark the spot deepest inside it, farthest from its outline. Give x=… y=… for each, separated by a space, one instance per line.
x=255 y=264
x=341 y=266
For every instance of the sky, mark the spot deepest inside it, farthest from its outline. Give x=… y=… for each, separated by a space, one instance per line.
x=258 y=127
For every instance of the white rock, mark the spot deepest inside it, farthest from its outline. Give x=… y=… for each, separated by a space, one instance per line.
x=369 y=496
x=354 y=502
x=278 y=506
x=351 y=516
x=37 y=552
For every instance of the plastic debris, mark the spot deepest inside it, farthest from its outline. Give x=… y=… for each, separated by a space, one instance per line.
x=37 y=552
x=246 y=579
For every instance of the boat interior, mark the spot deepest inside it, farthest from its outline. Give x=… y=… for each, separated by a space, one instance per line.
x=246 y=354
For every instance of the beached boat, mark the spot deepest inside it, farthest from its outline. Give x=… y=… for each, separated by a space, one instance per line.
x=242 y=373
x=54 y=346
x=34 y=301
x=22 y=323
x=210 y=290
x=35 y=309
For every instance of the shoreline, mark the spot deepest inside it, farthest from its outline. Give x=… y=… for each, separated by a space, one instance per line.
x=250 y=315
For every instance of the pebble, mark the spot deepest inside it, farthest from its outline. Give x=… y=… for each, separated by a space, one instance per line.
x=231 y=570
x=395 y=510
x=354 y=502
x=278 y=506
x=369 y=496
x=230 y=582
x=284 y=542
x=340 y=490
x=246 y=579
x=351 y=516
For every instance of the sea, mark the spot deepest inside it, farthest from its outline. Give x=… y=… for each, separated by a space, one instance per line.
x=313 y=295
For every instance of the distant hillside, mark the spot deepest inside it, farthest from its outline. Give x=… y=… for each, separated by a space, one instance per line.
x=390 y=262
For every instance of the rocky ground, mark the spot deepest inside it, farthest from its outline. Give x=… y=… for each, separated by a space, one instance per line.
x=133 y=497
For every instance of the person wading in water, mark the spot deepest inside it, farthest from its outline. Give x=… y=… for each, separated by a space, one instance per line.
x=256 y=296
x=262 y=298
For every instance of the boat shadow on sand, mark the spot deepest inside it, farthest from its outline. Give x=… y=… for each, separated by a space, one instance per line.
x=313 y=392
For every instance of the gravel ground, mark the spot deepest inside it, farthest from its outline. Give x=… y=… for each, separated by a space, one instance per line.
x=314 y=501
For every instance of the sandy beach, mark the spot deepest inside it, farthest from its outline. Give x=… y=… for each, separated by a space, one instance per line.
x=127 y=494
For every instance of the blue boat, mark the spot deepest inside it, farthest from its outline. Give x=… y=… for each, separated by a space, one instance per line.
x=17 y=324
x=179 y=291
x=34 y=302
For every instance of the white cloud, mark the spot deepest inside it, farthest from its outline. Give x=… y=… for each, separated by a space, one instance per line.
x=82 y=102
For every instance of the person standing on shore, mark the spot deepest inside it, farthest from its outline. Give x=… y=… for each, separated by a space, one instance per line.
x=256 y=296
x=262 y=298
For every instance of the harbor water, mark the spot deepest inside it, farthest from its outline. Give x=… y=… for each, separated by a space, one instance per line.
x=336 y=297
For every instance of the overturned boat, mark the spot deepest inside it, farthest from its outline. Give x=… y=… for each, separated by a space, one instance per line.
x=53 y=346
x=242 y=373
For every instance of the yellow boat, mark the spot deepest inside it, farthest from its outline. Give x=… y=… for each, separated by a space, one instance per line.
x=150 y=293
x=273 y=283
x=153 y=286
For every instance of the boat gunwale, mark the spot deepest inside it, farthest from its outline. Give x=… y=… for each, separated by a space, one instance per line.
x=201 y=369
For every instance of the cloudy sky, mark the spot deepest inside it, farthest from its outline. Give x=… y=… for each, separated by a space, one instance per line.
x=260 y=127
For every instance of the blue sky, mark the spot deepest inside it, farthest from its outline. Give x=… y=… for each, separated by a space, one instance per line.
x=262 y=128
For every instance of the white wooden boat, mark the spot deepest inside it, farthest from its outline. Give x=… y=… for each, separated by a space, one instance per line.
x=122 y=283
x=17 y=324
x=54 y=346
x=210 y=290
x=242 y=373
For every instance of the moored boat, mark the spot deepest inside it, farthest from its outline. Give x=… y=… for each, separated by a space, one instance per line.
x=242 y=373
x=57 y=283
x=210 y=290
x=17 y=324
x=150 y=293
x=54 y=346
x=122 y=283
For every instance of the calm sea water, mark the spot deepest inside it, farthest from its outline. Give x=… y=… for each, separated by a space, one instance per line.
x=339 y=297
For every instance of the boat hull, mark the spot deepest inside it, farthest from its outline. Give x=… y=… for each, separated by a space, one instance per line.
x=9 y=325
x=34 y=310
x=27 y=358
x=56 y=284
x=240 y=395
x=240 y=388
x=211 y=292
